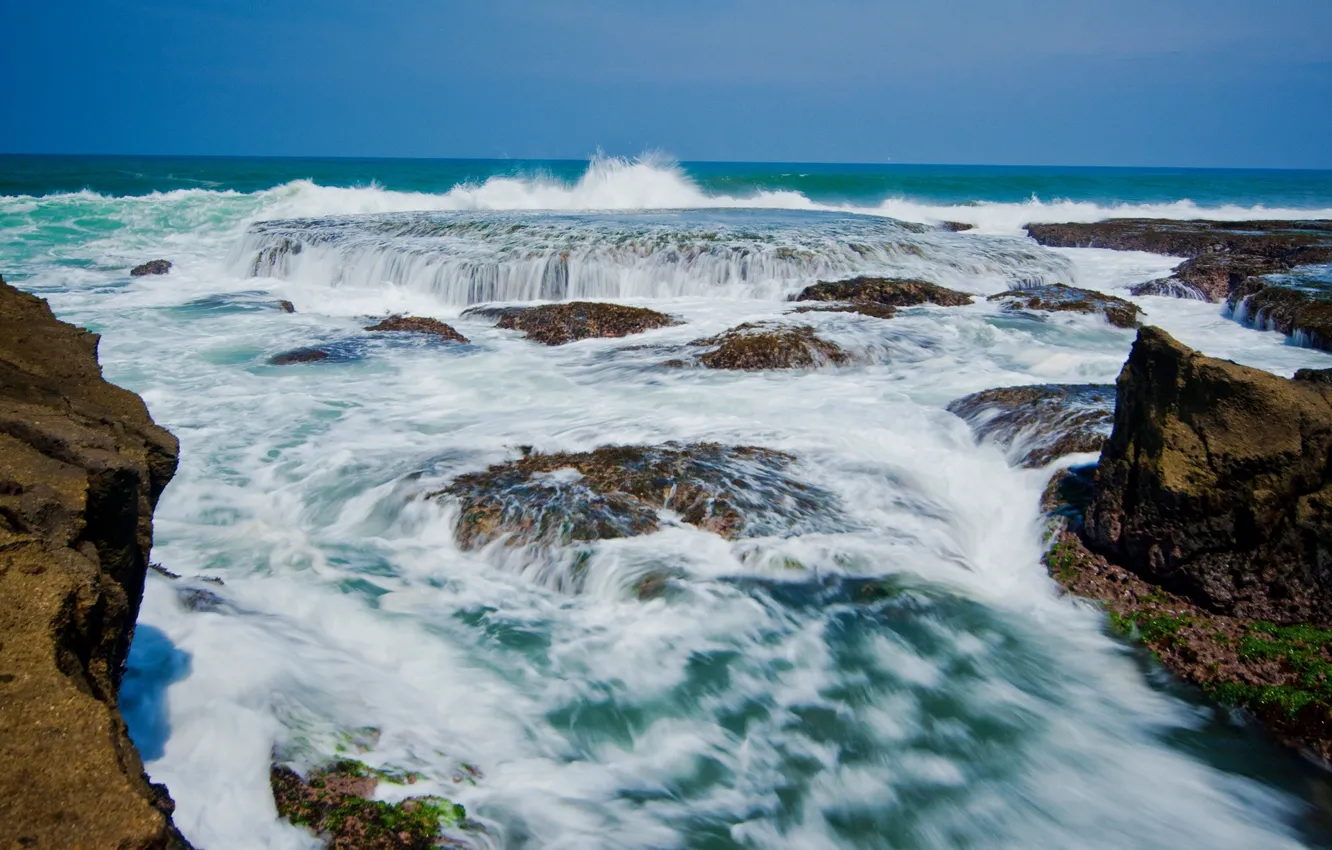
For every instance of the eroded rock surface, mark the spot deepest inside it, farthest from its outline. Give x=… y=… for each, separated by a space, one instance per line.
x=151 y=267
x=81 y=468
x=892 y=292
x=418 y=324
x=1301 y=312
x=1058 y=298
x=299 y=355
x=1039 y=424
x=618 y=491
x=557 y=324
x=755 y=346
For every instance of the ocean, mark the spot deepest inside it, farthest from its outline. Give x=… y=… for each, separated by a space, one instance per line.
x=324 y=607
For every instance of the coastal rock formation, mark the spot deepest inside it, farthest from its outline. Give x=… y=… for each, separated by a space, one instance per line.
x=1039 y=424
x=151 y=267
x=556 y=324
x=286 y=306
x=865 y=308
x=1305 y=313
x=299 y=355
x=766 y=345
x=892 y=292
x=618 y=491
x=336 y=802
x=1216 y=485
x=1058 y=298
x=81 y=468
x=417 y=324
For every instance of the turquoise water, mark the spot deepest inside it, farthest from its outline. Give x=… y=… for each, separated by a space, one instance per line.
x=765 y=701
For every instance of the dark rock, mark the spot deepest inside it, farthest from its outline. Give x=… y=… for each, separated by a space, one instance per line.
x=956 y=226
x=1304 y=313
x=81 y=467
x=766 y=345
x=894 y=292
x=1170 y=288
x=1215 y=484
x=286 y=307
x=618 y=491
x=151 y=267
x=1315 y=376
x=556 y=324
x=872 y=309
x=1058 y=298
x=416 y=324
x=299 y=355
x=1041 y=423
x=336 y=803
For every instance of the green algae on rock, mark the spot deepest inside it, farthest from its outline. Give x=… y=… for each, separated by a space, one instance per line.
x=1058 y=298
x=1045 y=422
x=893 y=292
x=557 y=324
x=418 y=324
x=618 y=491
x=755 y=346
x=335 y=803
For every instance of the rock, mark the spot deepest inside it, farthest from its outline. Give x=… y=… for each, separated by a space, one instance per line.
x=956 y=226
x=618 y=491
x=416 y=324
x=893 y=292
x=286 y=307
x=767 y=345
x=151 y=267
x=1316 y=376
x=556 y=324
x=1215 y=484
x=1039 y=424
x=1305 y=314
x=865 y=308
x=81 y=467
x=299 y=355
x=1058 y=298
x=336 y=803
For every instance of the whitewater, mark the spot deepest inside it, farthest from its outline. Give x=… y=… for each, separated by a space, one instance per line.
x=324 y=607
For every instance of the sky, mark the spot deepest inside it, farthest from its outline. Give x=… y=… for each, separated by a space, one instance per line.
x=1208 y=83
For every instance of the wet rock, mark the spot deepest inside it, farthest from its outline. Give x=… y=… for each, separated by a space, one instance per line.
x=1058 y=298
x=286 y=307
x=81 y=467
x=336 y=803
x=894 y=292
x=767 y=345
x=151 y=267
x=1304 y=313
x=417 y=324
x=1039 y=424
x=956 y=226
x=1215 y=484
x=872 y=309
x=618 y=491
x=1314 y=376
x=557 y=324
x=299 y=355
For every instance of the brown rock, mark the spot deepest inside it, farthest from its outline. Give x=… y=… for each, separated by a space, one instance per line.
x=873 y=309
x=417 y=324
x=556 y=324
x=1043 y=422
x=286 y=307
x=894 y=292
x=81 y=468
x=299 y=355
x=151 y=267
x=1058 y=298
x=766 y=345
x=1304 y=314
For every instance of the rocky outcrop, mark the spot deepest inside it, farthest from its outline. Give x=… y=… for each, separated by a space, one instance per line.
x=557 y=324
x=619 y=491
x=1040 y=424
x=299 y=355
x=891 y=292
x=864 y=308
x=417 y=324
x=151 y=267
x=1058 y=298
x=1219 y=255
x=81 y=468
x=1304 y=313
x=1215 y=484
x=754 y=346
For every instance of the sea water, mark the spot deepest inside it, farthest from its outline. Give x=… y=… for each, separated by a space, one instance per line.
x=324 y=608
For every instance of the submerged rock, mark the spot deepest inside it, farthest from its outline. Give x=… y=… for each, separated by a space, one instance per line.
x=894 y=292
x=286 y=307
x=618 y=491
x=1216 y=484
x=336 y=803
x=557 y=324
x=1041 y=423
x=81 y=468
x=1303 y=313
x=767 y=345
x=151 y=267
x=299 y=355
x=865 y=308
x=1058 y=298
x=417 y=324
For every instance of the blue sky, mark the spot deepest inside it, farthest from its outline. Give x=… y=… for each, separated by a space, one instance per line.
x=1073 y=82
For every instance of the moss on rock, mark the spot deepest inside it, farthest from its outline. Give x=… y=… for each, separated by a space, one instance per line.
x=1058 y=298
x=767 y=345
x=893 y=292
x=557 y=324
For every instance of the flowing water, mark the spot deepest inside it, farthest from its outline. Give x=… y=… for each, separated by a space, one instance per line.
x=766 y=700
